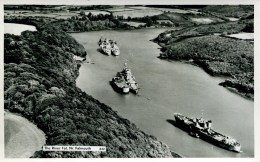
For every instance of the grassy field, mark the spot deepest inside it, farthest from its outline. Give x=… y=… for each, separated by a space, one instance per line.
x=141 y=11
x=164 y=21
x=137 y=13
x=64 y=17
x=245 y=36
x=232 y=19
x=134 y=24
x=19 y=134
x=96 y=12
x=117 y=9
x=202 y=20
x=172 y=10
x=56 y=15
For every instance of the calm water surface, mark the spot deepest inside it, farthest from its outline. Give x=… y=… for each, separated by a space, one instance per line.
x=166 y=87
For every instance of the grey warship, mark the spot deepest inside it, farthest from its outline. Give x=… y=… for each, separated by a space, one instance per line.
x=201 y=128
x=125 y=81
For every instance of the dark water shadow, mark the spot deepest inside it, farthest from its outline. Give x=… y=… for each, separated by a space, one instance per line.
x=116 y=89
x=173 y=122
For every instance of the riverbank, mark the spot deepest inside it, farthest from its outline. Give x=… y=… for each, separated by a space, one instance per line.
x=182 y=88
x=40 y=85
x=19 y=134
x=218 y=55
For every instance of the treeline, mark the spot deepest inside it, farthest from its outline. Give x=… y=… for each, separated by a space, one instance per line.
x=87 y=22
x=39 y=84
x=223 y=28
x=38 y=22
x=218 y=55
x=55 y=7
x=249 y=27
x=90 y=22
x=83 y=24
x=73 y=24
x=91 y=7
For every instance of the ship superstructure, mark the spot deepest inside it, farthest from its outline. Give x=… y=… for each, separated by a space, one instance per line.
x=108 y=46
x=126 y=80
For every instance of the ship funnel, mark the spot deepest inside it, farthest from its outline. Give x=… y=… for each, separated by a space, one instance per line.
x=209 y=123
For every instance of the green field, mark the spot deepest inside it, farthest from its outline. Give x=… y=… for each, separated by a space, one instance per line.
x=19 y=134
x=137 y=13
x=134 y=24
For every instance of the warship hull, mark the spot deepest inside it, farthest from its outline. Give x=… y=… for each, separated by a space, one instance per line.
x=106 y=50
x=210 y=136
x=119 y=87
x=108 y=47
x=115 y=50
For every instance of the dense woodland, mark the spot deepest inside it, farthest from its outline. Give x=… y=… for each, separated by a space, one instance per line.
x=208 y=47
x=40 y=85
x=40 y=78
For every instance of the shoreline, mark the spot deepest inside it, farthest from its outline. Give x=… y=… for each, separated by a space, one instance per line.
x=89 y=60
x=200 y=64
x=87 y=102
x=75 y=100
x=231 y=89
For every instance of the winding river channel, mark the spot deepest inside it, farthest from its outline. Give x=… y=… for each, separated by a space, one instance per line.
x=166 y=87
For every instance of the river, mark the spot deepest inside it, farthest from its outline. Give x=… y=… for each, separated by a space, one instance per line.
x=166 y=87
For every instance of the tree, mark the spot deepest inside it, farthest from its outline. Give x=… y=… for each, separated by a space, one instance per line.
x=82 y=13
x=128 y=18
x=89 y=15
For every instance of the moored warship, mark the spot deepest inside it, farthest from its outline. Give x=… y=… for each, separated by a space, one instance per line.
x=108 y=46
x=130 y=79
x=125 y=81
x=201 y=128
x=120 y=84
x=105 y=46
x=114 y=48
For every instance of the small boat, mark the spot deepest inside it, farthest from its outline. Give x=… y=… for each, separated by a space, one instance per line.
x=105 y=46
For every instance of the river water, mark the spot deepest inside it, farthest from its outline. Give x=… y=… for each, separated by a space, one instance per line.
x=166 y=87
